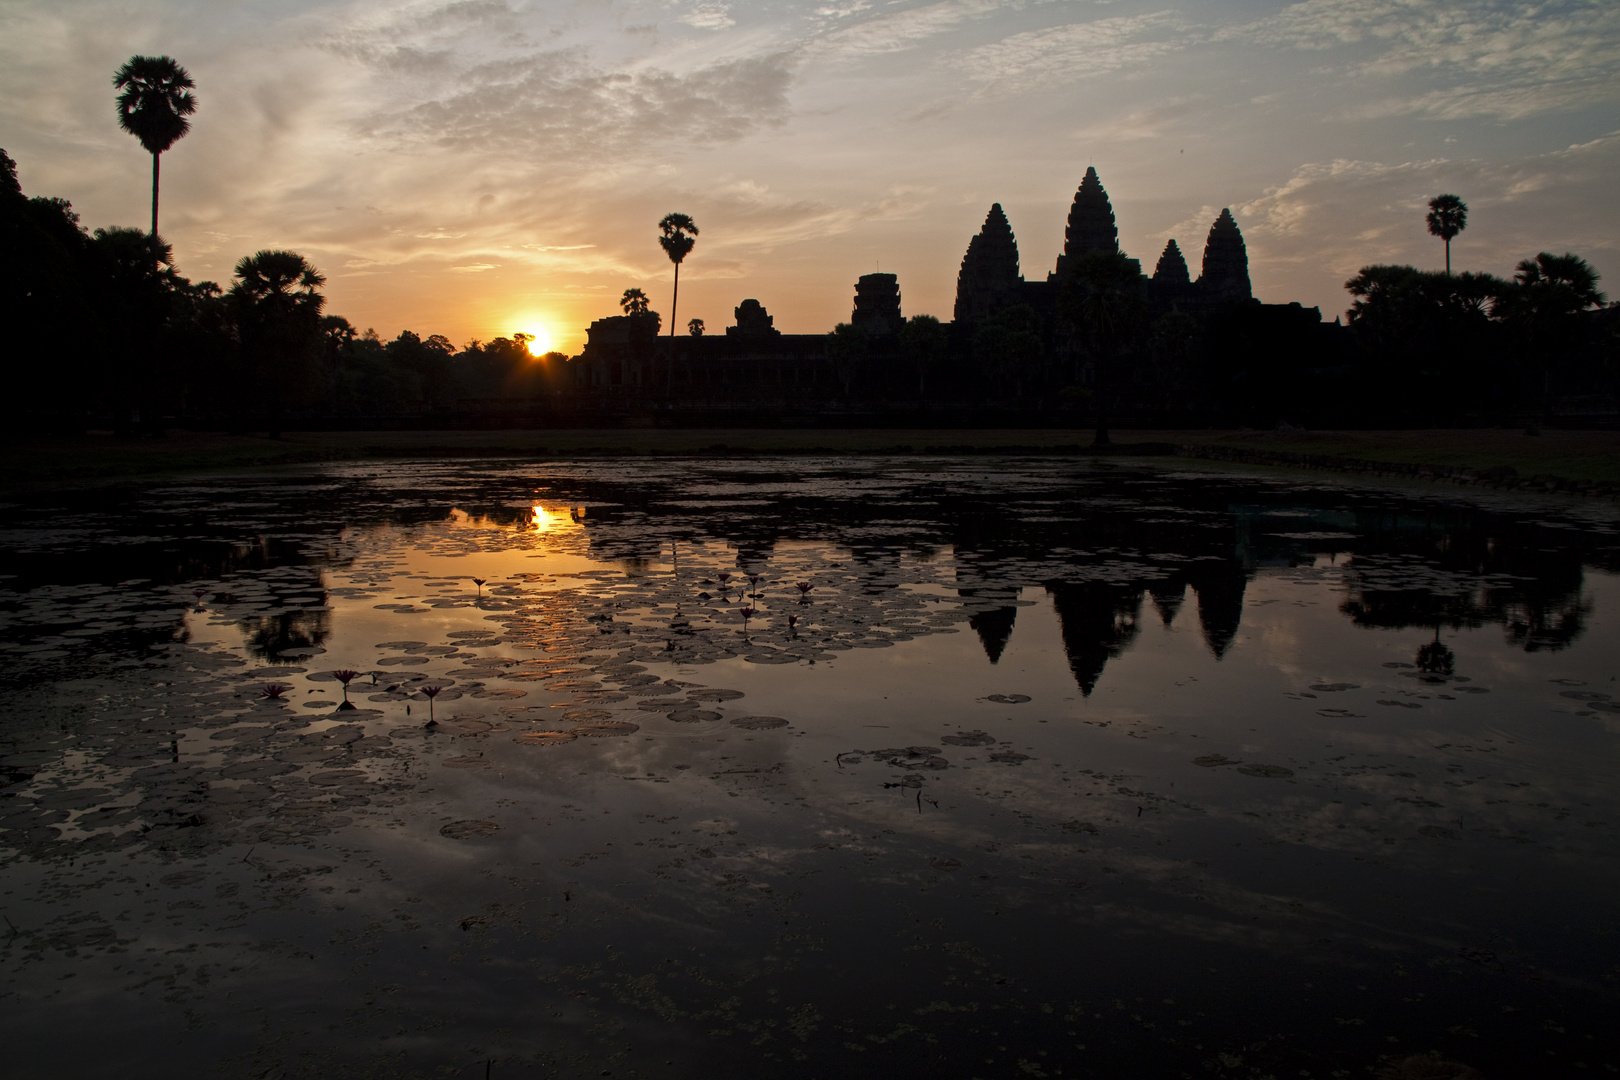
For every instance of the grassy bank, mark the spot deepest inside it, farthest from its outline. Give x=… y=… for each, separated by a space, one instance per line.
x=1573 y=456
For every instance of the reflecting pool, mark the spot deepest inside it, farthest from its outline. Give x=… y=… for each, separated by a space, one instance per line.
x=956 y=767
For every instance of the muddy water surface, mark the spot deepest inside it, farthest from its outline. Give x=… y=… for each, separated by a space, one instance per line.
x=993 y=768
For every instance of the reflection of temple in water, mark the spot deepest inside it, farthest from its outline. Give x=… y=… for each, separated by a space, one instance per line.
x=1453 y=568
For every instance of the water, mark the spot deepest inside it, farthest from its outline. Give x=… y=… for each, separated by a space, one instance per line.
x=1060 y=770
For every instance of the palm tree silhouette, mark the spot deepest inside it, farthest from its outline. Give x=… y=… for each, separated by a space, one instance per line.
x=1448 y=216
x=677 y=242
x=155 y=100
x=634 y=302
x=278 y=304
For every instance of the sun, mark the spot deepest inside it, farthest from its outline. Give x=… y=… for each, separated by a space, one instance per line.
x=539 y=338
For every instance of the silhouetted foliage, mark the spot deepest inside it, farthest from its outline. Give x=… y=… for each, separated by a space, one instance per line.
x=924 y=342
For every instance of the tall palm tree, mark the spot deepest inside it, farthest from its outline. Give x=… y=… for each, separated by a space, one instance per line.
x=677 y=242
x=1448 y=216
x=154 y=102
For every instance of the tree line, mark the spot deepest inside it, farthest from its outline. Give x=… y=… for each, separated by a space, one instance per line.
x=104 y=329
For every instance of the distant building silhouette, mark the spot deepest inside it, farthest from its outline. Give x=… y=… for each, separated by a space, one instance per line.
x=877 y=305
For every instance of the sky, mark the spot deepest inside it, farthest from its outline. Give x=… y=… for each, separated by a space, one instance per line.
x=478 y=167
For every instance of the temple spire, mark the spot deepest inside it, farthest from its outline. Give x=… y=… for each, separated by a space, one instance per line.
x=1226 y=262
x=1091 y=221
x=989 y=276
x=1172 y=268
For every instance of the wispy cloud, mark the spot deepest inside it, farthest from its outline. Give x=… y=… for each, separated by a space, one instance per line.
x=558 y=103
x=1506 y=61
x=1038 y=58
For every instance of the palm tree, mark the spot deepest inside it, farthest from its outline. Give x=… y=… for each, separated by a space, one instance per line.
x=693 y=326
x=1552 y=292
x=154 y=102
x=1448 y=216
x=677 y=242
x=278 y=311
x=634 y=302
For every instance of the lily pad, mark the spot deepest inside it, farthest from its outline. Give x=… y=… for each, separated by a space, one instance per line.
x=1333 y=687
x=1210 y=761
x=713 y=695
x=1270 y=772
x=471 y=829
x=604 y=729
x=758 y=723
x=694 y=716
x=1009 y=699
x=545 y=738
x=969 y=738
x=1009 y=757
x=499 y=695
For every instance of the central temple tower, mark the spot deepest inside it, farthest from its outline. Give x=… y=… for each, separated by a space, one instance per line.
x=1091 y=222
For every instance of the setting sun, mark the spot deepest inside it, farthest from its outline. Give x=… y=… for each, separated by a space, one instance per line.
x=539 y=339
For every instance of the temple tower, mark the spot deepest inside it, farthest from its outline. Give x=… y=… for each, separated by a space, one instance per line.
x=752 y=321
x=989 y=277
x=1091 y=222
x=1172 y=268
x=1226 y=263
x=877 y=304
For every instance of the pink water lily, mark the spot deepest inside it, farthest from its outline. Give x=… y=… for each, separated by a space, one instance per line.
x=273 y=691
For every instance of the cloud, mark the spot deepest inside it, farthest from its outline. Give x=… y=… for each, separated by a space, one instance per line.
x=1039 y=58
x=904 y=29
x=1501 y=61
x=709 y=17
x=559 y=105
x=475 y=268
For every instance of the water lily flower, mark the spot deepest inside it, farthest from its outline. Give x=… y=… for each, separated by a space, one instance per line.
x=273 y=691
x=343 y=675
x=431 y=692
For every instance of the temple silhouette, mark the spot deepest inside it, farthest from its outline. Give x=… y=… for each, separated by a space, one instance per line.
x=1008 y=349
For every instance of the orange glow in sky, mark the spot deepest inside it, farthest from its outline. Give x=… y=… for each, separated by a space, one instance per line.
x=540 y=337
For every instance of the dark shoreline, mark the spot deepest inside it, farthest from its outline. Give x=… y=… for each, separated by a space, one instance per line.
x=1567 y=462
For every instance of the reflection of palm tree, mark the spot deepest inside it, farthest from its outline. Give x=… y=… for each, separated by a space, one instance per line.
x=1448 y=216
x=156 y=98
x=677 y=242
x=1434 y=658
